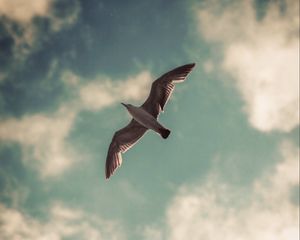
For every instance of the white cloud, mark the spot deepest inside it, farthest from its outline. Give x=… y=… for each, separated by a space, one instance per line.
x=104 y=92
x=24 y=11
x=262 y=56
x=17 y=19
x=218 y=211
x=70 y=79
x=43 y=136
x=151 y=233
x=62 y=222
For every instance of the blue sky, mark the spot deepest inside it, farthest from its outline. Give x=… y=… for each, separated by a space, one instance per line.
x=229 y=169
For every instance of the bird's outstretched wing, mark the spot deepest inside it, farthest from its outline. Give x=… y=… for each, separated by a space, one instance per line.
x=163 y=87
x=122 y=140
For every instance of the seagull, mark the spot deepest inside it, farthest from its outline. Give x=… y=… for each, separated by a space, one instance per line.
x=145 y=117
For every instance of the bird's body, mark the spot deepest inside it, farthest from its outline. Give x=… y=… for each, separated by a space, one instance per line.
x=145 y=117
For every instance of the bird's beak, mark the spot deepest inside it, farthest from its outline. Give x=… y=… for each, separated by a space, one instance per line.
x=124 y=104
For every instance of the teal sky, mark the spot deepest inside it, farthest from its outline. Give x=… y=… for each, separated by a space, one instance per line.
x=230 y=168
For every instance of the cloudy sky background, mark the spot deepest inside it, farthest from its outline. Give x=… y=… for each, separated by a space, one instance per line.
x=229 y=170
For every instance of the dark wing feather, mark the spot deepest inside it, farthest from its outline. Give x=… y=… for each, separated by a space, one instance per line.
x=163 y=87
x=122 y=140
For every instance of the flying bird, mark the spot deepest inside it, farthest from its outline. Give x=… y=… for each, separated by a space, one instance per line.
x=145 y=117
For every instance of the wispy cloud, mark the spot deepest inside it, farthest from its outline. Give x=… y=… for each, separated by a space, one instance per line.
x=261 y=55
x=43 y=136
x=61 y=222
x=152 y=233
x=18 y=22
x=12 y=190
x=216 y=210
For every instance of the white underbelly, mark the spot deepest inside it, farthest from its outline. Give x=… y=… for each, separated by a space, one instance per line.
x=145 y=119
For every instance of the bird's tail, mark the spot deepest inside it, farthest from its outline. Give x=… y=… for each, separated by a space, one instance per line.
x=164 y=132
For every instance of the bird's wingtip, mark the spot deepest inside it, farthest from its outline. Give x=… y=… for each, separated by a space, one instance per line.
x=189 y=65
x=107 y=176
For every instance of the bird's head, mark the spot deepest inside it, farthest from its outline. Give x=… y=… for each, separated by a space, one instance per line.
x=125 y=105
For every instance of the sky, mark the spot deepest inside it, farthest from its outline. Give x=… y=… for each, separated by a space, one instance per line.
x=228 y=171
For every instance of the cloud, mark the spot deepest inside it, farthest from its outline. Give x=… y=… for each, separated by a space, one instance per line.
x=62 y=222
x=11 y=189
x=17 y=21
x=104 y=92
x=24 y=12
x=21 y=11
x=262 y=56
x=151 y=233
x=43 y=137
x=59 y=21
x=218 y=211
